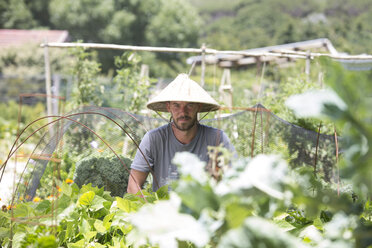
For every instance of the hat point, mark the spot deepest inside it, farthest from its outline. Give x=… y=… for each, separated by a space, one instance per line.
x=184 y=89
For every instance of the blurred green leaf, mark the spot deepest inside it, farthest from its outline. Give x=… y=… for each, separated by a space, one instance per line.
x=197 y=197
x=163 y=193
x=86 y=199
x=124 y=205
x=47 y=242
x=97 y=203
x=66 y=189
x=43 y=206
x=22 y=210
x=107 y=220
x=236 y=213
x=85 y=230
x=78 y=244
x=98 y=225
x=4 y=232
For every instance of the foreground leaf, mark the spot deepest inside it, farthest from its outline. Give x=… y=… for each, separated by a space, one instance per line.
x=86 y=198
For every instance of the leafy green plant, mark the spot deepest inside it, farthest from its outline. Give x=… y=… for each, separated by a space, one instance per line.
x=79 y=218
x=251 y=197
x=133 y=86
x=86 y=91
x=86 y=70
x=104 y=171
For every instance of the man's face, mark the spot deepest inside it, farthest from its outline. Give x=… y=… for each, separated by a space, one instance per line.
x=184 y=114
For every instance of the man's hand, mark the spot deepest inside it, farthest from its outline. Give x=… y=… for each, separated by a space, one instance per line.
x=136 y=181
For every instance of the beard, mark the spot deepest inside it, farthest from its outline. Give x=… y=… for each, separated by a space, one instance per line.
x=186 y=125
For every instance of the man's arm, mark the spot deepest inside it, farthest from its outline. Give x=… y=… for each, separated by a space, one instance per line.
x=136 y=180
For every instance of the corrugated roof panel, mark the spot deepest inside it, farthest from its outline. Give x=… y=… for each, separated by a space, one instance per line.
x=16 y=37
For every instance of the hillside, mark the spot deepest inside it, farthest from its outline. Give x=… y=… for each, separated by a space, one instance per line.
x=248 y=24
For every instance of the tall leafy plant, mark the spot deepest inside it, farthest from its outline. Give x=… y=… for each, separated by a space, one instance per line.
x=86 y=71
x=131 y=84
x=87 y=91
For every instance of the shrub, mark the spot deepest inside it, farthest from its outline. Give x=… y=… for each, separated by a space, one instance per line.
x=107 y=172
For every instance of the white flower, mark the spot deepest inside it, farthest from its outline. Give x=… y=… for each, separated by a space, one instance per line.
x=264 y=172
x=94 y=144
x=189 y=164
x=114 y=205
x=340 y=226
x=163 y=225
x=312 y=233
x=311 y=103
x=210 y=223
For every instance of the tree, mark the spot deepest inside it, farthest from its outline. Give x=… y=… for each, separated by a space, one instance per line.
x=84 y=19
x=251 y=23
x=16 y=14
x=173 y=23
x=176 y=24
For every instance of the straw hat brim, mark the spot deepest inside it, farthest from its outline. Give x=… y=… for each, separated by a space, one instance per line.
x=183 y=89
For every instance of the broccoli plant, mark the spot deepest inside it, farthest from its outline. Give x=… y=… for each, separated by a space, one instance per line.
x=105 y=171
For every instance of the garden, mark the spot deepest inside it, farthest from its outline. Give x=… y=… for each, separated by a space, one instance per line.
x=301 y=175
x=269 y=196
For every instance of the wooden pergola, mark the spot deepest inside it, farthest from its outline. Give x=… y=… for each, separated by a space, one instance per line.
x=278 y=54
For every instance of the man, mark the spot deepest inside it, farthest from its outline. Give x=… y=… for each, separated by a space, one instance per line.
x=184 y=99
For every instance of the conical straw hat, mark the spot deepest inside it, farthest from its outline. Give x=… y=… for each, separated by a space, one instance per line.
x=182 y=88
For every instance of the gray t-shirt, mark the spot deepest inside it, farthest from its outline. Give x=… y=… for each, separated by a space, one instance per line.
x=160 y=145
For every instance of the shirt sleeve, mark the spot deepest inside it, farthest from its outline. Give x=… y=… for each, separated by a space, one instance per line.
x=143 y=159
x=227 y=143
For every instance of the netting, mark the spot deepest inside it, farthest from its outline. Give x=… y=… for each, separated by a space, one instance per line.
x=85 y=131
x=257 y=130
x=96 y=130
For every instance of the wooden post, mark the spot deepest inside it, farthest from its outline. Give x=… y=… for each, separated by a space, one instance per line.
x=226 y=89
x=307 y=68
x=144 y=77
x=258 y=66
x=144 y=74
x=48 y=86
x=254 y=130
x=55 y=92
x=48 y=81
x=203 y=66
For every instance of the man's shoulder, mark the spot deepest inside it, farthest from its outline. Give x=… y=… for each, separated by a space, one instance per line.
x=213 y=134
x=159 y=130
x=209 y=129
